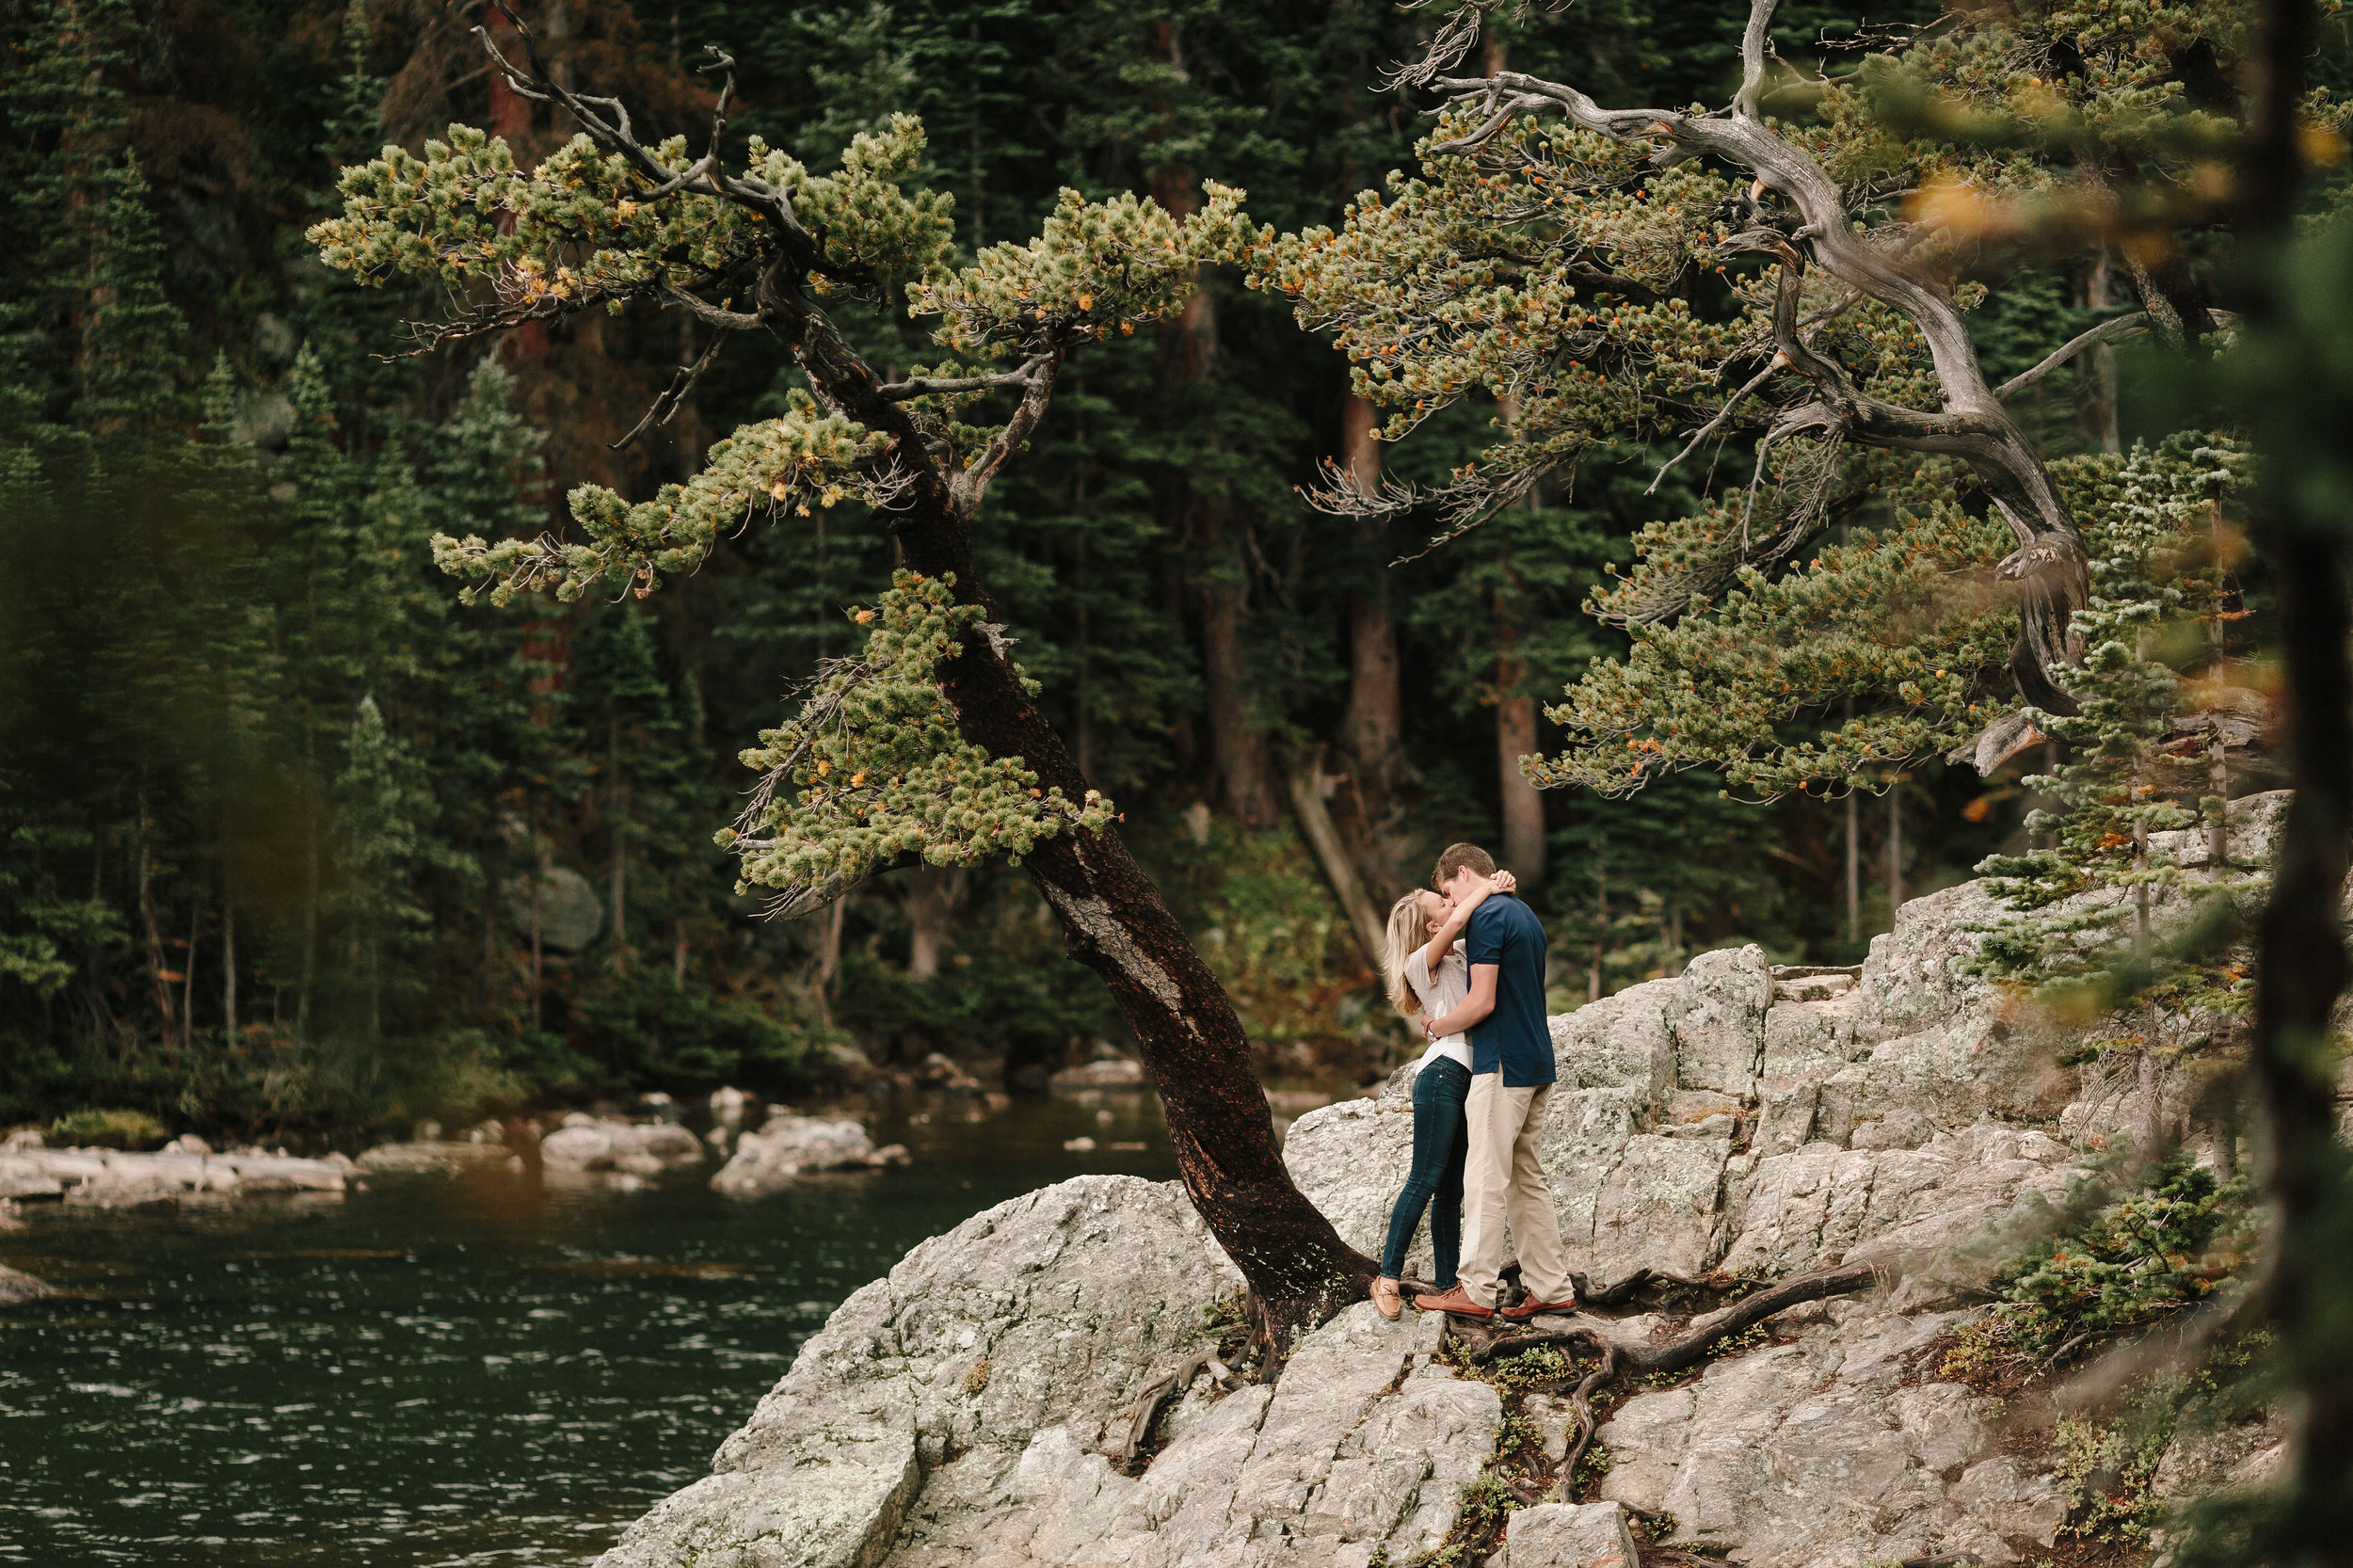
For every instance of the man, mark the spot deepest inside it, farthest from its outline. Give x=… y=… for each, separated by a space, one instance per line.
x=1512 y=1076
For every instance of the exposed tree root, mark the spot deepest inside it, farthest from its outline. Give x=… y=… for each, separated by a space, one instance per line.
x=1167 y=1385
x=1650 y=1279
x=1482 y=1341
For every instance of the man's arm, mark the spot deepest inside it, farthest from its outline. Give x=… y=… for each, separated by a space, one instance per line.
x=1475 y=1007
x=1443 y=937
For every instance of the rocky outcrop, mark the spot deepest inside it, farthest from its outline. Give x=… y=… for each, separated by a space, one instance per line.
x=790 y=1146
x=1044 y=1313
x=1362 y=1451
x=968 y=1409
x=1817 y=1452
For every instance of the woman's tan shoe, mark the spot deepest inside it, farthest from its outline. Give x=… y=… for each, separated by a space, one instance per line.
x=1386 y=1299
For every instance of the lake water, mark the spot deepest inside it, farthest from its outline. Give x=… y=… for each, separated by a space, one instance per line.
x=498 y=1370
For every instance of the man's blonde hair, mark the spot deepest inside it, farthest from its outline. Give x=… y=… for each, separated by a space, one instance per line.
x=1457 y=856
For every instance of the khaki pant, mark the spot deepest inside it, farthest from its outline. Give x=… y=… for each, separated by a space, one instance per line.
x=1504 y=1182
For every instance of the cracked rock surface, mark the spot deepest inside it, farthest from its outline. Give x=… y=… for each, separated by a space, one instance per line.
x=1362 y=1451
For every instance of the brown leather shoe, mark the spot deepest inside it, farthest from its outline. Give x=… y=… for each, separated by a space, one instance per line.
x=1456 y=1300
x=1530 y=1307
x=1385 y=1301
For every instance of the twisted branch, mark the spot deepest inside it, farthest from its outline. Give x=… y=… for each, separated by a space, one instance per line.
x=2049 y=564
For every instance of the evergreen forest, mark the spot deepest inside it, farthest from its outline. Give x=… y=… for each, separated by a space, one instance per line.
x=294 y=843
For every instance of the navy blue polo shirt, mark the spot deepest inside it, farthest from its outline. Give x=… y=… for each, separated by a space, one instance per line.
x=1514 y=1037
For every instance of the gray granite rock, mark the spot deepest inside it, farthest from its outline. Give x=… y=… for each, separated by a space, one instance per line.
x=23 y=1178
x=1349 y=1159
x=1361 y=1450
x=1719 y=1020
x=109 y=1178
x=1570 y=1535
x=1048 y=1311
x=1625 y=1041
x=642 y=1148
x=1817 y=1455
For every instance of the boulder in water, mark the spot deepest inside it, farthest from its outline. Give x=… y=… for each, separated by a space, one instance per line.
x=21 y=1179
x=17 y=1286
x=790 y=1146
x=640 y=1148
x=1115 y=1074
x=435 y=1158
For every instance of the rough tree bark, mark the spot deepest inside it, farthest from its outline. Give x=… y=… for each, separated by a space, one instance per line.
x=1113 y=919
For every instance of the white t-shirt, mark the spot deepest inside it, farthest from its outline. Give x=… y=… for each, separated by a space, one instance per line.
x=1440 y=997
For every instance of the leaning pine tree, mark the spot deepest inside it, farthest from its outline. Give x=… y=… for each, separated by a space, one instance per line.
x=926 y=744
x=1774 y=300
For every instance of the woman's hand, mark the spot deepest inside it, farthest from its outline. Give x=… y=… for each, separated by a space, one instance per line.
x=1502 y=882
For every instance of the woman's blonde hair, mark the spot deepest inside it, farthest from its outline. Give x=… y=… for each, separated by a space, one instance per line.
x=1409 y=928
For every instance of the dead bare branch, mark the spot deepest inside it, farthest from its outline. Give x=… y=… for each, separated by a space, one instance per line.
x=714 y=316
x=2119 y=329
x=666 y=407
x=934 y=386
x=965 y=489
x=1715 y=424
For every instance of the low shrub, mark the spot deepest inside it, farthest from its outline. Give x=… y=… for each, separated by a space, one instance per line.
x=2119 y=1266
x=107 y=1129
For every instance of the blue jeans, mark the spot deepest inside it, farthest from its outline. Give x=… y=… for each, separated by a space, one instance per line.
x=1440 y=1140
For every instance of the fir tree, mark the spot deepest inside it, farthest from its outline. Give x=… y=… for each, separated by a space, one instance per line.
x=382 y=814
x=2088 y=905
x=128 y=326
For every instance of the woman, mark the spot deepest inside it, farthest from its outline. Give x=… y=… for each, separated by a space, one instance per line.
x=1429 y=978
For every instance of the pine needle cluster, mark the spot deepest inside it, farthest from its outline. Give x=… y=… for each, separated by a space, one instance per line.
x=872 y=768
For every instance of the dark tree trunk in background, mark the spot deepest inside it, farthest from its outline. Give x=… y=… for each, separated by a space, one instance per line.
x=930 y=903
x=619 y=806
x=1372 y=727
x=1515 y=738
x=1238 y=747
x=1895 y=852
x=1239 y=759
x=156 y=968
x=2095 y=410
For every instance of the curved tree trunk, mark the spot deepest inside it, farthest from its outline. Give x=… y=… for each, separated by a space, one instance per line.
x=1113 y=919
